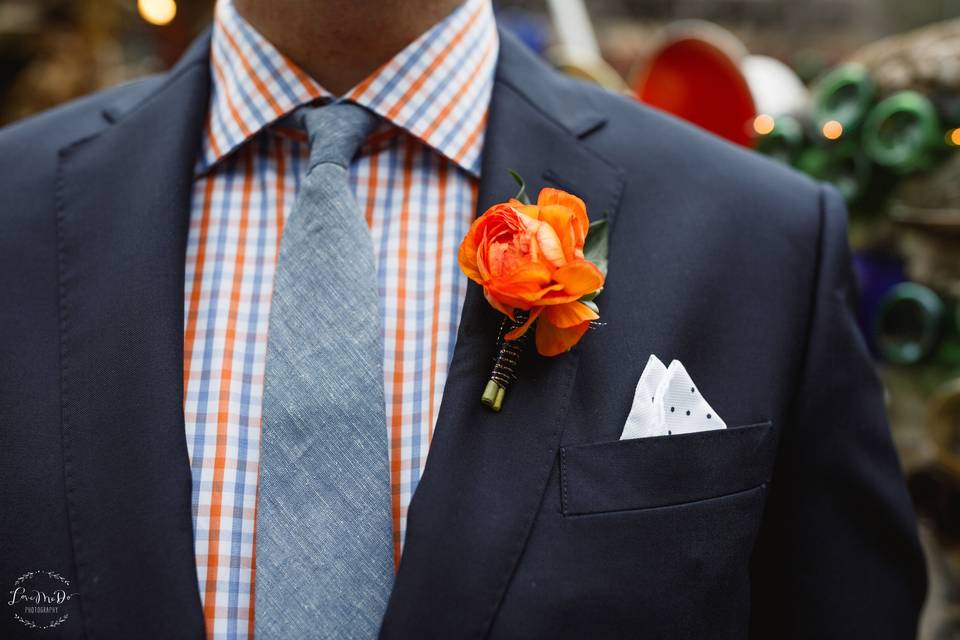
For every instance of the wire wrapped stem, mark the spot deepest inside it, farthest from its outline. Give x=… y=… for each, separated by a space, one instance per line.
x=505 y=364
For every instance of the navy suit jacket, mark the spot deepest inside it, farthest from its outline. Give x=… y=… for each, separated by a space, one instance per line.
x=532 y=523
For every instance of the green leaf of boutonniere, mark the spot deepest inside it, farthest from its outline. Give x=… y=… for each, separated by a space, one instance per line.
x=595 y=249
x=597 y=244
x=522 y=194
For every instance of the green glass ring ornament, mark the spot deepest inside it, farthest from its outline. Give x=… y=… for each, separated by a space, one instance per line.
x=909 y=324
x=845 y=95
x=903 y=133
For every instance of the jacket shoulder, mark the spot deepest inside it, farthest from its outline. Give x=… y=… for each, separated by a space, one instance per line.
x=30 y=148
x=38 y=138
x=763 y=221
x=659 y=148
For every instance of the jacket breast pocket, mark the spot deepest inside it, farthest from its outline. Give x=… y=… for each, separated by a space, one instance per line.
x=662 y=471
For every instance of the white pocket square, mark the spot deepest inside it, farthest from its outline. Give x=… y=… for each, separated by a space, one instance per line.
x=667 y=402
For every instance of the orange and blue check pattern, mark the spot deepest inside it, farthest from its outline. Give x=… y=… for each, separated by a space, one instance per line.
x=416 y=179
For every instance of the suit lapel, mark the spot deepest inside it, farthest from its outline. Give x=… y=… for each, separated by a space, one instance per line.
x=486 y=473
x=123 y=210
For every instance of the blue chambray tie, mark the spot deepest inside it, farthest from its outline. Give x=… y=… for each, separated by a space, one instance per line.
x=324 y=561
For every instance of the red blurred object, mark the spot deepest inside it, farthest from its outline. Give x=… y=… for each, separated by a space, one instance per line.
x=695 y=75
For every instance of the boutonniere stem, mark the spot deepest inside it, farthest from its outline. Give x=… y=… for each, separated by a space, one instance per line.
x=541 y=265
x=505 y=365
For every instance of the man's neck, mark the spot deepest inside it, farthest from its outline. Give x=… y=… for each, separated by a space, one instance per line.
x=341 y=42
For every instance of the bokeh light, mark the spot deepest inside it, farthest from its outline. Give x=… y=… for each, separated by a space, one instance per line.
x=158 y=12
x=832 y=130
x=763 y=124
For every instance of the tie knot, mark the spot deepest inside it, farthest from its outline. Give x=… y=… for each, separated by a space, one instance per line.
x=336 y=131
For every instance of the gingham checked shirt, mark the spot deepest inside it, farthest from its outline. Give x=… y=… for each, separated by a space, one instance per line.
x=416 y=179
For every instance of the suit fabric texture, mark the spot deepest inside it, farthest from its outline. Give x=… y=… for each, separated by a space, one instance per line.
x=535 y=522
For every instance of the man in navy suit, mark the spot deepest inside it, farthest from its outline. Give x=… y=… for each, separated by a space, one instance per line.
x=536 y=522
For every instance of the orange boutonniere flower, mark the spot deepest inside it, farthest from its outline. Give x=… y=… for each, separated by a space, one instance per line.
x=541 y=265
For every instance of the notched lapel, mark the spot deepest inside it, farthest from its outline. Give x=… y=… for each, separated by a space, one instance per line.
x=123 y=210
x=486 y=472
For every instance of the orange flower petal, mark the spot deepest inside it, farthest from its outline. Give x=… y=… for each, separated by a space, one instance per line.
x=528 y=210
x=552 y=340
x=467 y=257
x=522 y=329
x=557 y=216
x=524 y=298
x=530 y=273
x=522 y=287
x=556 y=196
x=562 y=220
x=532 y=225
x=550 y=246
x=548 y=195
x=579 y=278
x=569 y=315
x=558 y=297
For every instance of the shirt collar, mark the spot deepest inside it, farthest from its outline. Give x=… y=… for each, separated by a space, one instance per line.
x=437 y=88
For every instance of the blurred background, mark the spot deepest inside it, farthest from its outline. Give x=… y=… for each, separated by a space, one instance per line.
x=861 y=93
